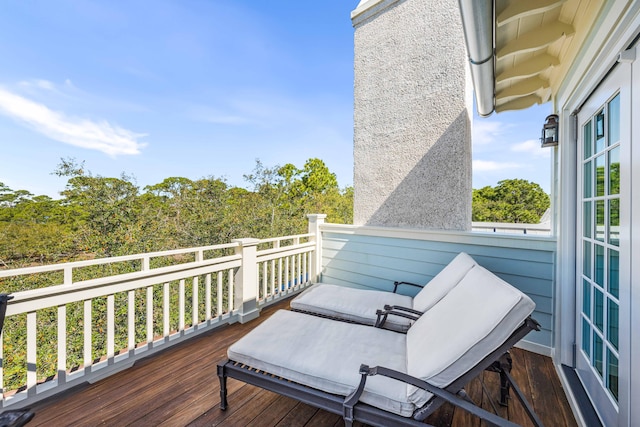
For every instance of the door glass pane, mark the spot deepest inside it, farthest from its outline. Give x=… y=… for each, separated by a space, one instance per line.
x=612 y=369
x=598 y=309
x=586 y=259
x=588 y=179
x=614 y=120
x=612 y=323
x=599 y=131
x=599 y=273
x=614 y=273
x=614 y=222
x=614 y=171
x=586 y=338
x=588 y=141
x=586 y=298
x=600 y=175
x=586 y=219
x=596 y=357
x=599 y=234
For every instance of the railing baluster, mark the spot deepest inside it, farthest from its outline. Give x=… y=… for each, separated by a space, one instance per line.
x=181 y=303
x=149 y=314
x=166 y=309
x=88 y=346
x=296 y=269
x=264 y=280
x=131 y=320
x=32 y=351
x=279 y=274
x=62 y=345
x=303 y=279
x=231 y=290
x=207 y=305
x=273 y=277
x=111 y=326
x=219 y=295
x=286 y=274
x=194 y=302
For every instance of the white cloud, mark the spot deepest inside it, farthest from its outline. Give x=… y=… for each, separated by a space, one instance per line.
x=102 y=136
x=490 y=165
x=486 y=132
x=531 y=147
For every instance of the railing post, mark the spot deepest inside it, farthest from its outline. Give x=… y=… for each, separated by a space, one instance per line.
x=246 y=280
x=315 y=220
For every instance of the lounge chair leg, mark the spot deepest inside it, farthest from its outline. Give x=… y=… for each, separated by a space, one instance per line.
x=527 y=407
x=222 y=375
x=505 y=366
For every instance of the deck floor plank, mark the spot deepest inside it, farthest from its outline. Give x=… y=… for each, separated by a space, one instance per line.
x=299 y=416
x=520 y=373
x=180 y=387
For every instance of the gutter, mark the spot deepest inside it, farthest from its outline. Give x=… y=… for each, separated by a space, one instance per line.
x=478 y=26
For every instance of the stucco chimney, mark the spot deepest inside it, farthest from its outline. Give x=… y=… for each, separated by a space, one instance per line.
x=412 y=118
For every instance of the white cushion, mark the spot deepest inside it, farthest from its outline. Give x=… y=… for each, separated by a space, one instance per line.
x=326 y=355
x=355 y=305
x=360 y=306
x=467 y=324
x=443 y=282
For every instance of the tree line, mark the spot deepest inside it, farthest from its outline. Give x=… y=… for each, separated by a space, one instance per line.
x=104 y=216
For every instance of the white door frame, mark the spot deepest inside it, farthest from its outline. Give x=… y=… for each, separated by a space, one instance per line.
x=617 y=82
x=584 y=78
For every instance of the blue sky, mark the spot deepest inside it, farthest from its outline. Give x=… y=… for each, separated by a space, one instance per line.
x=198 y=88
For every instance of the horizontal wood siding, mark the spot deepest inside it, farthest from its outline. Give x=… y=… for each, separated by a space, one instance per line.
x=366 y=261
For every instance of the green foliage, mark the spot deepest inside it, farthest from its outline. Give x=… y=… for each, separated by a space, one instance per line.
x=511 y=201
x=104 y=216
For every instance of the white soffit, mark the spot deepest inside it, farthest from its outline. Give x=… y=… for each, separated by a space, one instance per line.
x=535 y=44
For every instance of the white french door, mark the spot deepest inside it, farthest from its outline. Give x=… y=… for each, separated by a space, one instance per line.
x=603 y=243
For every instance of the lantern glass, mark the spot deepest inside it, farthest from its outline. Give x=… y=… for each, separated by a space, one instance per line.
x=549 y=135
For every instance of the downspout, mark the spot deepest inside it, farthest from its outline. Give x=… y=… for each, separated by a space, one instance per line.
x=478 y=27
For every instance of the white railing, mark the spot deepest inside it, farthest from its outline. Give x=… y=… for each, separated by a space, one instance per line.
x=512 y=228
x=120 y=318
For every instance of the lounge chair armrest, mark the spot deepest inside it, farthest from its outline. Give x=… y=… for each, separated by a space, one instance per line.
x=452 y=398
x=383 y=314
x=406 y=309
x=396 y=284
x=351 y=400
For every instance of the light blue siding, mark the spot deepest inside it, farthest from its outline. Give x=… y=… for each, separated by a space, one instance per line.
x=375 y=262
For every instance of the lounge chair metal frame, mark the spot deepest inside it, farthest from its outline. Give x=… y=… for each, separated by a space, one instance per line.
x=396 y=310
x=352 y=410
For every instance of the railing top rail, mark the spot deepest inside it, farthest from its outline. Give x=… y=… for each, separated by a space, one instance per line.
x=511 y=226
x=226 y=262
x=285 y=249
x=294 y=236
x=111 y=260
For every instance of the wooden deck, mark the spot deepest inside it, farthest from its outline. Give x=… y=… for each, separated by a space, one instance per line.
x=179 y=387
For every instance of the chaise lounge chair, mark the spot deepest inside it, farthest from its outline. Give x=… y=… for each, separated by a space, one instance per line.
x=381 y=377
x=380 y=308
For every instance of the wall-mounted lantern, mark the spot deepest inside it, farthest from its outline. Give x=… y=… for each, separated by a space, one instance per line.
x=549 y=136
